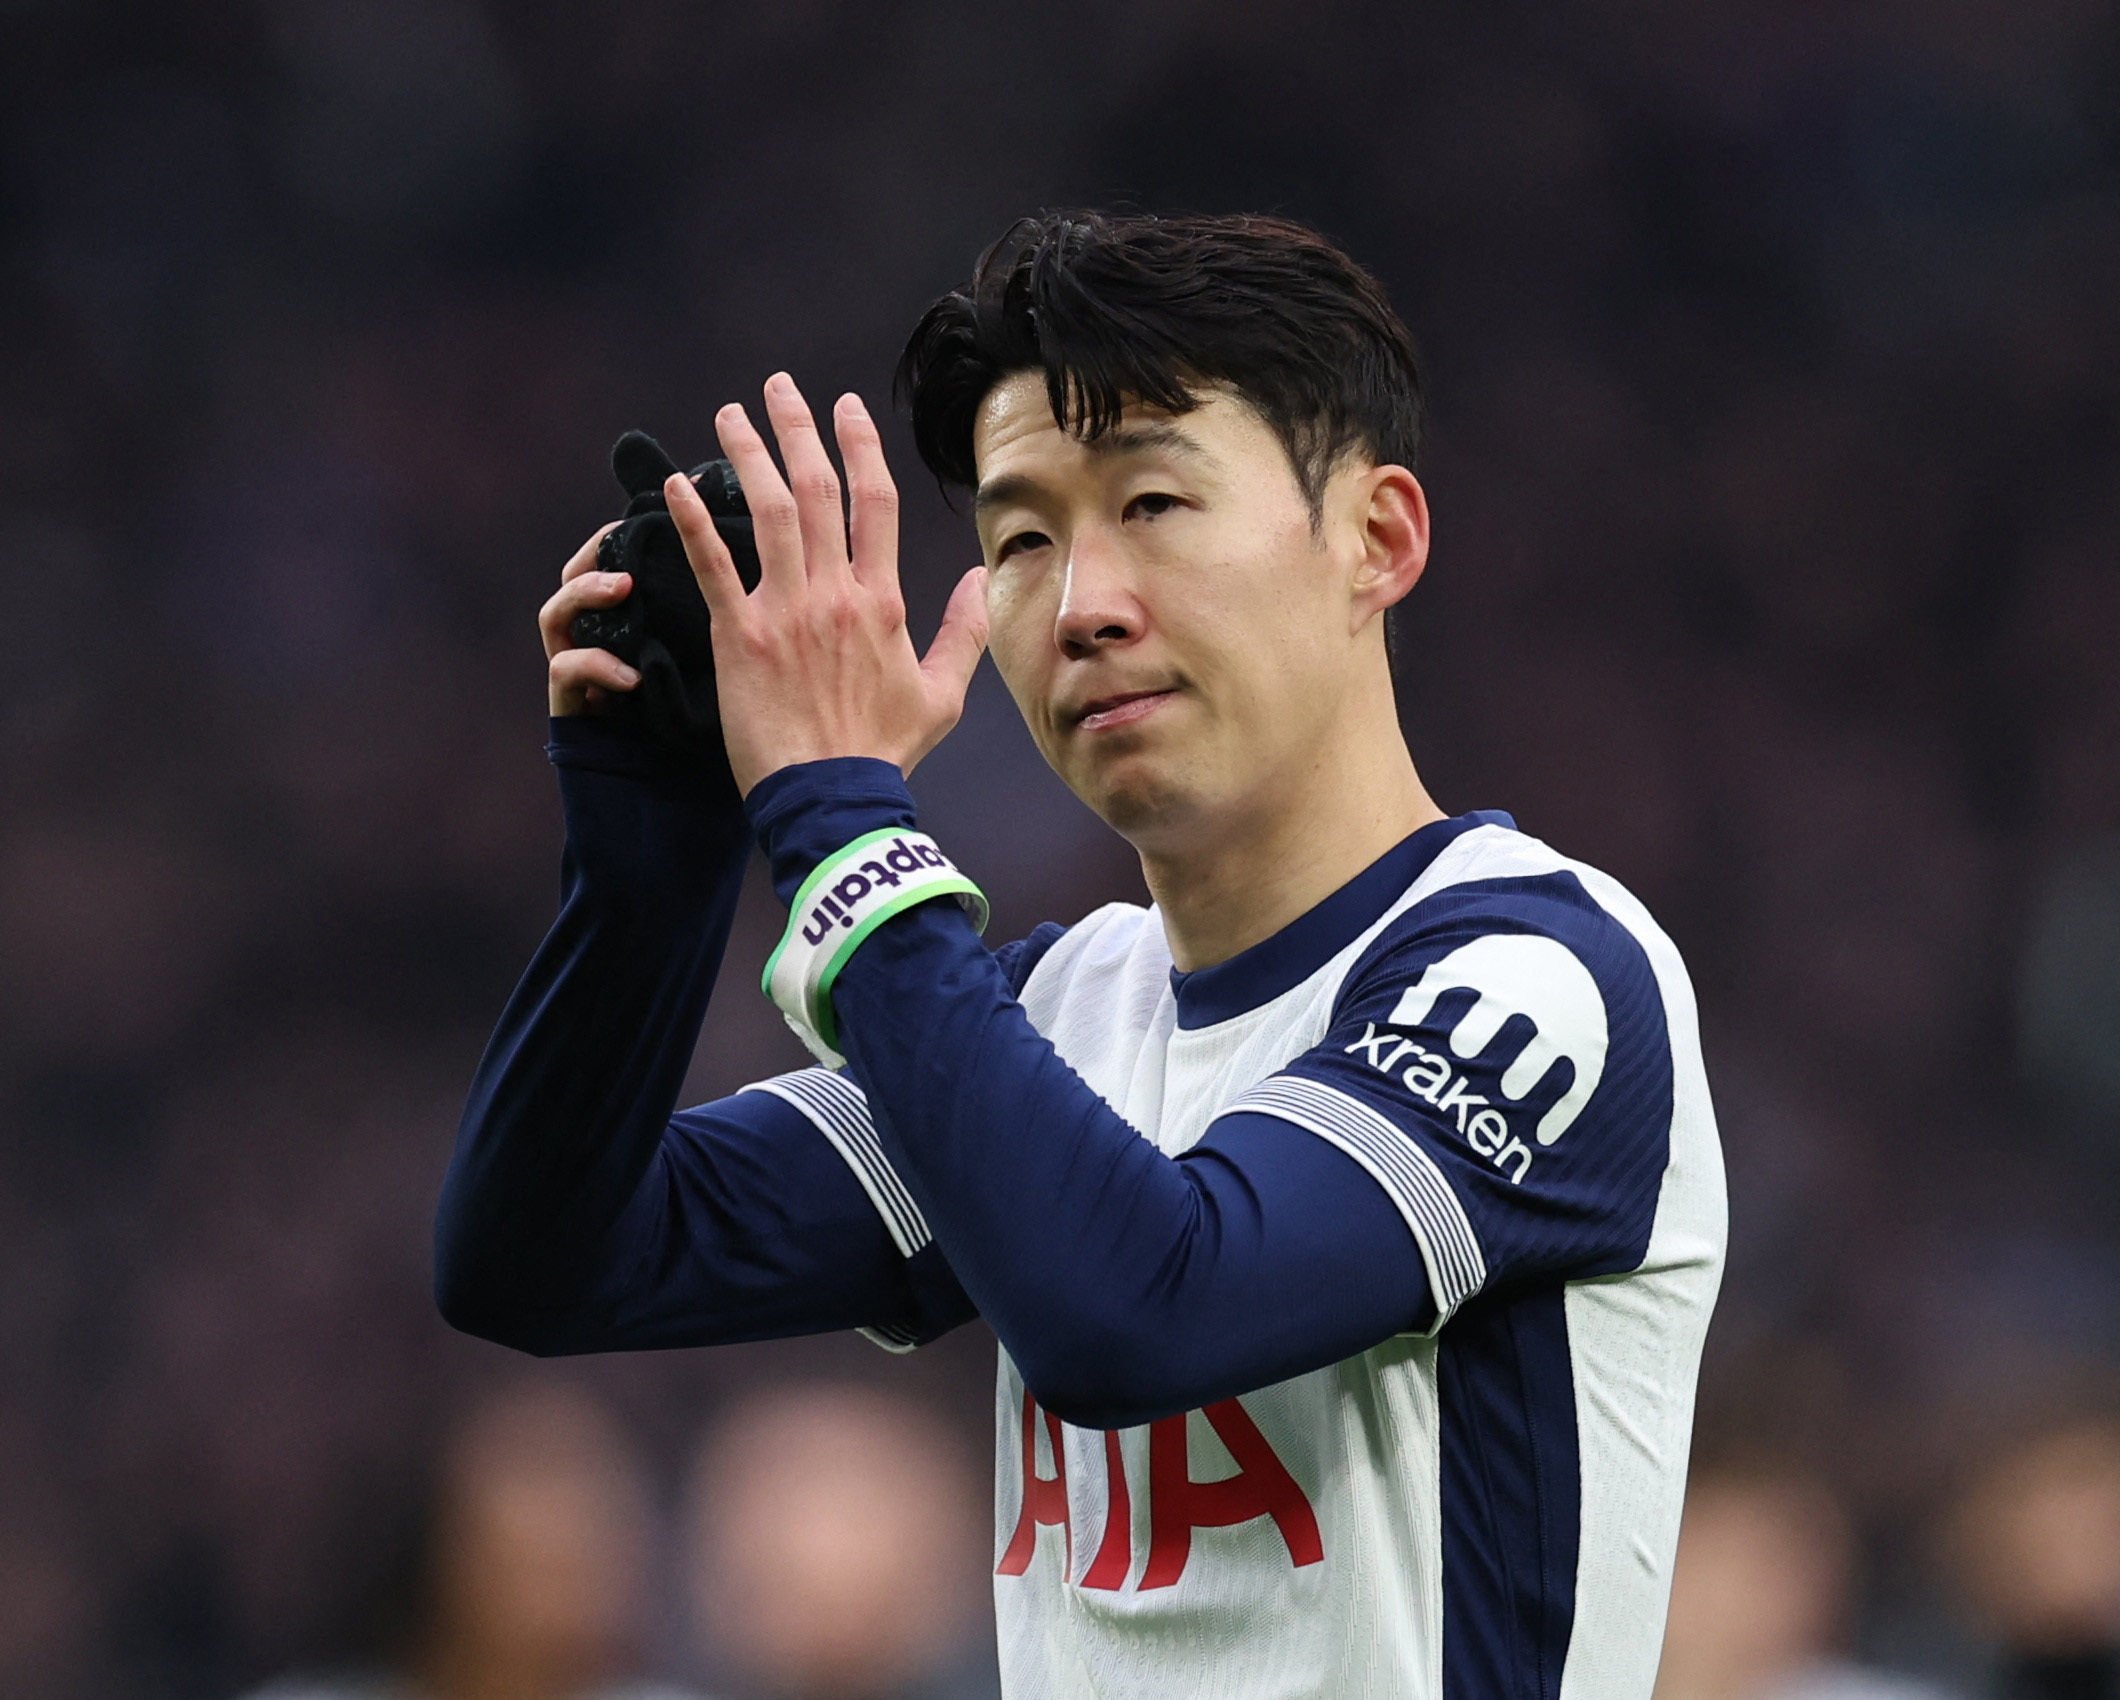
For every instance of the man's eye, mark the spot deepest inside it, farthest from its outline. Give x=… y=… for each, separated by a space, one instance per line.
x=1022 y=540
x=1153 y=503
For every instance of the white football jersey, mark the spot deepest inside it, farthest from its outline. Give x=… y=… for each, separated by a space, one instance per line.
x=1488 y=1508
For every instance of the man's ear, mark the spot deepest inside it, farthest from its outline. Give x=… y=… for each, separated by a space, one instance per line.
x=1391 y=510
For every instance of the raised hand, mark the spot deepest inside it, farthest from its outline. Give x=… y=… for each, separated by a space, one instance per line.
x=817 y=661
x=576 y=678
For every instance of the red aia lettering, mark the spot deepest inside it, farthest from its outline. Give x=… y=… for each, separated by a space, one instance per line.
x=1262 y=1487
x=1115 y=1553
x=1177 y=1505
x=1044 y=1497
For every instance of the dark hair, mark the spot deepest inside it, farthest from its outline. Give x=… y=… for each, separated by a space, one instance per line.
x=1120 y=308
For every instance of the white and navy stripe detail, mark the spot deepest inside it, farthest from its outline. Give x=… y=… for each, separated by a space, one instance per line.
x=834 y=1105
x=891 y=1339
x=1457 y=1268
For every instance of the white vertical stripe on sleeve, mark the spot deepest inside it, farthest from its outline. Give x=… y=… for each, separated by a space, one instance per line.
x=1457 y=1268
x=834 y=1105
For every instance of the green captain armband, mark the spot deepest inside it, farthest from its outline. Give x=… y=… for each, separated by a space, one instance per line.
x=848 y=896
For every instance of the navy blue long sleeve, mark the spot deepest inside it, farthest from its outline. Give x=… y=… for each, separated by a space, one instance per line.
x=1126 y=1284
x=582 y=1213
x=579 y=1213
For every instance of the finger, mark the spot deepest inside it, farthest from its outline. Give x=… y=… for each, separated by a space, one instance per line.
x=775 y=525
x=819 y=504
x=583 y=590
x=573 y=673
x=874 y=491
x=953 y=657
x=712 y=566
x=585 y=557
x=577 y=667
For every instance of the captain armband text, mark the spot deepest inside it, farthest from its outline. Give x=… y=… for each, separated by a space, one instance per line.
x=847 y=897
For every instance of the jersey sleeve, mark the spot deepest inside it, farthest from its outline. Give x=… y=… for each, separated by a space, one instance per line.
x=582 y=1211
x=838 y=1112
x=748 y=1226
x=1499 y=1062
x=766 y=1217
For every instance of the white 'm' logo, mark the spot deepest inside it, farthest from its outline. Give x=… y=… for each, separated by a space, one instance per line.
x=1529 y=975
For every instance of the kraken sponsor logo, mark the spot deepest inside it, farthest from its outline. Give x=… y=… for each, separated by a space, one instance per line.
x=1512 y=974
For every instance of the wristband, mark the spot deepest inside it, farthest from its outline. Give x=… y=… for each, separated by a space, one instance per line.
x=848 y=896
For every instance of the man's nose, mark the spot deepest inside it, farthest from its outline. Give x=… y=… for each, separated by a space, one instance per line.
x=1098 y=607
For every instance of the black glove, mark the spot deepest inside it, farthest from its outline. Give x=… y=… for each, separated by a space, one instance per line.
x=662 y=629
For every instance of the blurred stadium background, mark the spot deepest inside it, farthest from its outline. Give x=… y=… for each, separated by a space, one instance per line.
x=1775 y=370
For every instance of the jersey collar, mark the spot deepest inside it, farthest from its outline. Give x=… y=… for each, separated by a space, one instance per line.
x=1287 y=958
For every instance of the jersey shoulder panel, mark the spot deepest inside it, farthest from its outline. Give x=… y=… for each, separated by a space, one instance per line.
x=1500 y=925
x=1530 y=948
x=1499 y=866
x=1500 y=1052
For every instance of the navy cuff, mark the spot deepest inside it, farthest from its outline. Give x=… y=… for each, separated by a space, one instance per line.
x=805 y=812
x=603 y=744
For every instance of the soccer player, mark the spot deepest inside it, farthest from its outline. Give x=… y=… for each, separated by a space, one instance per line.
x=1349 y=1219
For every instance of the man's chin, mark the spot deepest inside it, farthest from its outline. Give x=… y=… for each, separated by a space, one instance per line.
x=1150 y=810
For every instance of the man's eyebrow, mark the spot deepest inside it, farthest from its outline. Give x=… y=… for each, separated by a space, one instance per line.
x=1122 y=439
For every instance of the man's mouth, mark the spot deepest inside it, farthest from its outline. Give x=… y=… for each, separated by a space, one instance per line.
x=1120 y=710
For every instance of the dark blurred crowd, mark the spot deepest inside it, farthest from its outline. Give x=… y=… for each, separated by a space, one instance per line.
x=1775 y=370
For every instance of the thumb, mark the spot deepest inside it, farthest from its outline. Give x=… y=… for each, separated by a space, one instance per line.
x=953 y=657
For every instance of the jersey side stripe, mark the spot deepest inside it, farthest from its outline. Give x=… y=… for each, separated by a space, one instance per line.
x=835 y=1107
x=1457 y=1268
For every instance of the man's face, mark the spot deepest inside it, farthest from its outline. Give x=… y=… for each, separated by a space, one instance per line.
x=1179 y=642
